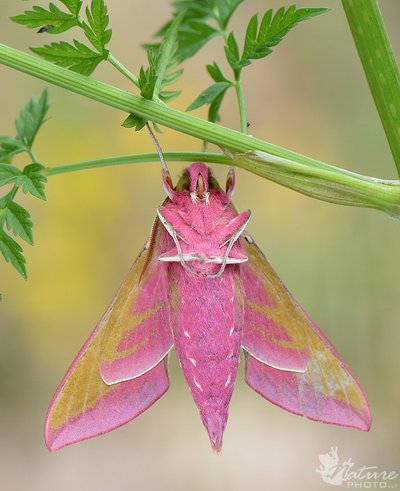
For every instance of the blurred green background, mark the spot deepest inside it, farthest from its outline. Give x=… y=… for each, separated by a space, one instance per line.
x=341 y=263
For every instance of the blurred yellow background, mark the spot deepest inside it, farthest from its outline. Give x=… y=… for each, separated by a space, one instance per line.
x=341 y=263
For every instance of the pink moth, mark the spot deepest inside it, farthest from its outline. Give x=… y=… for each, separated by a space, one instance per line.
x=202 y=286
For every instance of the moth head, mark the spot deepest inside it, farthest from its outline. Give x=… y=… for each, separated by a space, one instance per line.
x=198 y=181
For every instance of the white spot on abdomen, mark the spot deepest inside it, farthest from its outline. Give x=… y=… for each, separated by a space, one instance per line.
x=228 y=380
x=186 y=334
x=231 y=331
x=193 y=361
x=197 y=384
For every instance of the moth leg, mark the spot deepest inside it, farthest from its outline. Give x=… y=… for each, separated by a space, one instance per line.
x=241 y=222
x=236 y=226
x=170 y=229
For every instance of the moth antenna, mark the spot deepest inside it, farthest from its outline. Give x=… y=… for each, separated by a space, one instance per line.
x=172 y=232
x=232 y=240
x=158 y=148
x=165 y=172
x=230 y=181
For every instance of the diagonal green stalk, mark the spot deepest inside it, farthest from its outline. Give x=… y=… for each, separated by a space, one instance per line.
x=287 y=166
x=128 y=74
x=380 y=67
x=122 y=69
x=158 y=113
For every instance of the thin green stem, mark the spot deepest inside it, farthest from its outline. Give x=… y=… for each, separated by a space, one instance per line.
x=381 y=70
x=121 y=68
x=242 y=106
x=11 y=195
x=128 y=74
x=32 y=155
x=216 y=158
x=347 y=189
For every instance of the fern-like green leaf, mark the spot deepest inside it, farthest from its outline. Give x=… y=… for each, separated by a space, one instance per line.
x=258 y=43
x=16 y=219
x=9 y=147
x=33 y=180
x=96 y=31
x=9 y=174
x=77 y=57
x=208 y=96
x=56 y=20
x=31 y=118
x=74 y=6
x=12 y=253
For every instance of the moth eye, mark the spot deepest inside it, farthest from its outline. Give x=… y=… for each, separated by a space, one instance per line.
x=169 y=181
x=183 y=184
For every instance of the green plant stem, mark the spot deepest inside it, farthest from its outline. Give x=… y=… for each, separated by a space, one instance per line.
x=380 y=67
x=140 y=158
x=350 y=189
x=185 y=123
x=158 y=113
x=32 y=155
x=121 y=68
x=347 y=189
x=11 y=195
x=128 y=74
x=242 y=106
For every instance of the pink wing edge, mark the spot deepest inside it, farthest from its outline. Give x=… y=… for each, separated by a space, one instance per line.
x=272 y=373
x=155 y=376
x=365 y=421
x=159 y=373
x=150 y=353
